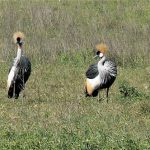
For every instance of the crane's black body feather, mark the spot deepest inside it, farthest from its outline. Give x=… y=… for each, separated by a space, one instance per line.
x=92 y=71
x=21 y=77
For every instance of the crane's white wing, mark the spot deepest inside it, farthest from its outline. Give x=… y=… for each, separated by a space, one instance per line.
x=110 y=68
x=108 y=73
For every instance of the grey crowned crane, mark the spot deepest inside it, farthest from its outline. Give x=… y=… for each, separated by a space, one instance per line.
x=20 y=69
x=100 y=75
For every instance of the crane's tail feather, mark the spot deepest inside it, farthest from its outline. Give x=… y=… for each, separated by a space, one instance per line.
x=94 y=94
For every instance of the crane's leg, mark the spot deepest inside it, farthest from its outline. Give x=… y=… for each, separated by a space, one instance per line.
x=14 y=90
x=23 y=86
x=107 y=91
x=24 y=93
x=99 y=96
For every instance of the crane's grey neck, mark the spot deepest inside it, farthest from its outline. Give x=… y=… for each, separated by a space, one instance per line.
x=19 y=54
x=101 y=62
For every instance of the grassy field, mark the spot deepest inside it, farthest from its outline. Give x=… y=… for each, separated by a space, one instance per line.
x=60 y=37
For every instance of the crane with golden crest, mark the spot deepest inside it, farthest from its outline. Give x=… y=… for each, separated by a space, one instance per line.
x=100 y=75
x=20 y=69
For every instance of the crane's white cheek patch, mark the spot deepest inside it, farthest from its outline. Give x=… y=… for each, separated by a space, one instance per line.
x=101 y=55
x=11 y=76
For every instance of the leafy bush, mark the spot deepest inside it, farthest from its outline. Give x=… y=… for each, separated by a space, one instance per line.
x=128 y=91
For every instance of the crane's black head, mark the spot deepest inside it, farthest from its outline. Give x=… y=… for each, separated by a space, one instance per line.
x=18 y=38
x=97 y=53
x=19 y=41
x=101 y=50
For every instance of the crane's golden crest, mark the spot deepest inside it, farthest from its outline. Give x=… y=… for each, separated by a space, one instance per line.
x=18 y=35
x=102 y=48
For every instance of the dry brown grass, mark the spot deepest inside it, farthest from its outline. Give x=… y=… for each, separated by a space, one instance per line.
x=53 y=26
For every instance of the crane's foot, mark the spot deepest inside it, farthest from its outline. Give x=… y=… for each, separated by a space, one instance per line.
x=16 y=96
x=24 y=95
x=107 y=99
x=100 y=98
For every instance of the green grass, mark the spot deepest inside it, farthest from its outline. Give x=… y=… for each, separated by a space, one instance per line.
x=55 y=113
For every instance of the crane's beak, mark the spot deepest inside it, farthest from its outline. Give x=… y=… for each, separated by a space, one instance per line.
x=95 y=56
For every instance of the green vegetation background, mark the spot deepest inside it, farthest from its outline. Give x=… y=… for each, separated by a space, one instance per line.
x=60 y=37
